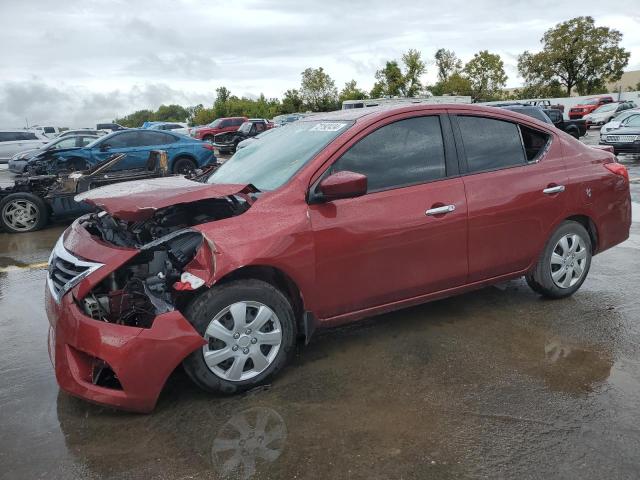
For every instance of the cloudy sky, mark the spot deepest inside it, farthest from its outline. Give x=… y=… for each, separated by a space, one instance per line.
x=77 y=62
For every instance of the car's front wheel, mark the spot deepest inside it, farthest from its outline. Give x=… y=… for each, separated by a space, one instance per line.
x=250 y=330
x=564 y=264
x=23 y=212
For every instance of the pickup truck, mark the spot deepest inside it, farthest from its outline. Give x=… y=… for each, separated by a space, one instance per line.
x=545 y=104
x=589 y=105
x=575 y=128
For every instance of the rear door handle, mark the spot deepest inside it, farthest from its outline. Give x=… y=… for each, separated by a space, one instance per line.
x=552 y=190
x=440 y=210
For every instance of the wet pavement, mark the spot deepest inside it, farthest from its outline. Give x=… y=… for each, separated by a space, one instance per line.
x=498 y=383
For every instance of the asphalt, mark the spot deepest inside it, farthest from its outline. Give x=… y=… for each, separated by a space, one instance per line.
x=497 y=383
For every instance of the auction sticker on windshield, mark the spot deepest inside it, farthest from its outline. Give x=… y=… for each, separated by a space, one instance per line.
x=327 y=127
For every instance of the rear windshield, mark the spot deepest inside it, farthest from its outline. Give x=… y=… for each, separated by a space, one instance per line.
x=271 y=162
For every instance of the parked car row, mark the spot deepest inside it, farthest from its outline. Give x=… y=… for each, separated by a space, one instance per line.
x=606 y=113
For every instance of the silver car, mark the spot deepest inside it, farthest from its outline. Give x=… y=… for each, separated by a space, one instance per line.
x=14 y=141
x=618 y=120
x=20 y=160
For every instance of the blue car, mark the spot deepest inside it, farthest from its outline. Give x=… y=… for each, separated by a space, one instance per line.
x=184 y=153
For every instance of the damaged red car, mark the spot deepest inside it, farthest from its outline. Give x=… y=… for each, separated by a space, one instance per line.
x=333 y=218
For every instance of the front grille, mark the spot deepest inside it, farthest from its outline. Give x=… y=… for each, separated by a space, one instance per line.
x=66 y=270
x=622 y=138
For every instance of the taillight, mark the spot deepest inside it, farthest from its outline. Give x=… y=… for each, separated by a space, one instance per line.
x=618 y=169
x=207 y=145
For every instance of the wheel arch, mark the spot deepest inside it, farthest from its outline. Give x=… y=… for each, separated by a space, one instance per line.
x=588 y=223
x=279 y=279
x=187 y=155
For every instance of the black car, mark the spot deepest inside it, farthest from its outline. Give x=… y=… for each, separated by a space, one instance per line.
x=625 y=139
x=575 y=128
x=227 y=142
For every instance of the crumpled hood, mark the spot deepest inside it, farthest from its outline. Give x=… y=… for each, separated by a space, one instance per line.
x=135 y=201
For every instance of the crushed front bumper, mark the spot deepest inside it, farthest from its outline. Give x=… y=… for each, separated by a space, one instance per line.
x=139 y=359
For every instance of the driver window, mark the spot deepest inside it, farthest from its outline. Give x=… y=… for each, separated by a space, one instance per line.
x=402 y=153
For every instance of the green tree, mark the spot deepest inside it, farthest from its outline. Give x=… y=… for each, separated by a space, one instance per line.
x=415 y=67
x=389 y=81
x=203 y=116
x=455 y=84
x=392 y=81
x=447 y=64
x=220 y=106
x=318 y=90
x=136 y=119
x=485 y=72
x=577 y=54
x=192 y=112
x=292 y=101
x=171 y=113
x=351 y=92
x=552 y=89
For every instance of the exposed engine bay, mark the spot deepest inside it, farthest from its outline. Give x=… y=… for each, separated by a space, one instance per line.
x=163 y=222
x=154 y=281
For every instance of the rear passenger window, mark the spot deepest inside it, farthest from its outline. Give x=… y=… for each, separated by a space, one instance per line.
x=26 y=136
x=534 y=142
x=490 y=144
x=402 y=153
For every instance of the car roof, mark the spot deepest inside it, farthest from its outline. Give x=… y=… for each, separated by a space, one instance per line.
x=369 y=113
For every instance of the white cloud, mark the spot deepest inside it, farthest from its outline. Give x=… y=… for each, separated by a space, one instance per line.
x=81 y=61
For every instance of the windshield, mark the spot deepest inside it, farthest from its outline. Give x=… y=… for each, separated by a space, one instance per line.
x=215 y=123
x=271 y=162
x=606 y=108
x=245 y=127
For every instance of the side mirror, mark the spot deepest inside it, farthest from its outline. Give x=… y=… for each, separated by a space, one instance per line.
x=105 y=147
x=343 y=185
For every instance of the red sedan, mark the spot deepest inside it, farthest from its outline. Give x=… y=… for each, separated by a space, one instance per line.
x=331 y=219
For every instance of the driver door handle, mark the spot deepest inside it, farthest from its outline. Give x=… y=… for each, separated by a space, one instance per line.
x=552 y=190
x=440 y=210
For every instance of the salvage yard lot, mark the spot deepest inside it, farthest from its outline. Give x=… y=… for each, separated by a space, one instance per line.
x=496 y=383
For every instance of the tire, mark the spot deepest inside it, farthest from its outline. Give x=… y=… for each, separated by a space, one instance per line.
x=183 y=165
x=556 y=273
x=23 y=212
x=575 y=133
x=208 y=138
x=231 y=371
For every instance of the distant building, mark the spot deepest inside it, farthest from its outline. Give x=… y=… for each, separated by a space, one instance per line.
x=628 y=81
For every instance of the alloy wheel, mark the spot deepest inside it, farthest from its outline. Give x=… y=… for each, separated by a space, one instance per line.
x=242 y=341
x=568 y=260
x=21 y=215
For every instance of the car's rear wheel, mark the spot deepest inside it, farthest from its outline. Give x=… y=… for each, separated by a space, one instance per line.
x=249 y=327
x=184 y=165
x=23 y=212
x=564 y=263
